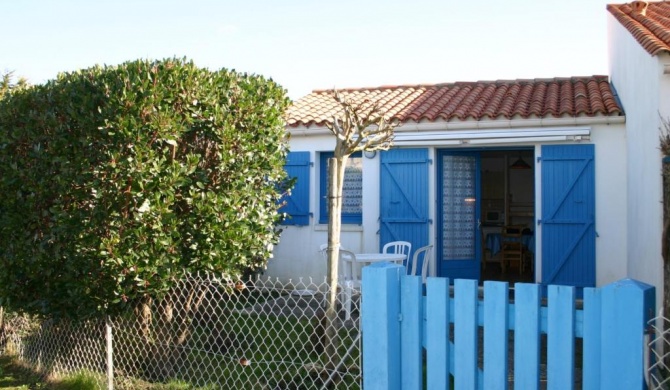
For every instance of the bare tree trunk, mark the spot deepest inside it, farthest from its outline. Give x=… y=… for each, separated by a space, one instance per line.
x=143 y=323
x=162 y=362
x=143 y=315
x=336 y=168
x=362 y=127
x=3 y=334
x=171 y=330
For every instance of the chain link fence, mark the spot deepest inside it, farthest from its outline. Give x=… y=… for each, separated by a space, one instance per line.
x=207 y=333
x=211 y=333
x=658 y=354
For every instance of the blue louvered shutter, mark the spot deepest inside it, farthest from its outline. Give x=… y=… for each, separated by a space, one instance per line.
x=568 y=215
x=404 y=197
x=297 y=203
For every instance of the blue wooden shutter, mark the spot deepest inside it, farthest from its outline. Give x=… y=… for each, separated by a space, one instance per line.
x=297 y=204
x=568 y=215
x=404 y=197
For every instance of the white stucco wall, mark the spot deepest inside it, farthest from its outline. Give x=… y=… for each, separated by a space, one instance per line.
x=297 y=253
x=644 y=92
x=611 y=201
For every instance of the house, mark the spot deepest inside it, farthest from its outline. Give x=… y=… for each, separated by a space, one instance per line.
x=573 y=160
x=450 y=176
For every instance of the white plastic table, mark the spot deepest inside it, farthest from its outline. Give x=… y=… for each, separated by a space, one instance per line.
x=369 y=258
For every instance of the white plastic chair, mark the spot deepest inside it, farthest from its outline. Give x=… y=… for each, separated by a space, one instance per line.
x=349 y=280
x=323 y=251
x=400 y=247
x=423 y=254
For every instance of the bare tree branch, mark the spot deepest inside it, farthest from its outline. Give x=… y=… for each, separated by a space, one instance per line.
x=362 y=126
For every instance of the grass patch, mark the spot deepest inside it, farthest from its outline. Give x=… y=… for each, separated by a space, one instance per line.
x=80 y=381
x=252 y=338
x=14 y=375
x=247 y=340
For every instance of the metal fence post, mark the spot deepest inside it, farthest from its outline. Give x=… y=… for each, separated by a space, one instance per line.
x=380 y=326
x=110 y=354
x=626 y=306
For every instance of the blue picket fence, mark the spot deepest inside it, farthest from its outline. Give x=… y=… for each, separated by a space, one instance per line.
x=407 y=340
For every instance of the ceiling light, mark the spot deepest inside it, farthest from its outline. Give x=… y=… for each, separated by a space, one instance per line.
x=520 y=164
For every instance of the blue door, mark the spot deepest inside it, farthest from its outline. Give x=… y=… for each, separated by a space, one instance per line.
x=404 y=197
x=568 y=215
x=458 y=253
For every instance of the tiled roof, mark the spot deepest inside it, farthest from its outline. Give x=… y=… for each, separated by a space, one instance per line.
x=648 y=22
x=487 y=100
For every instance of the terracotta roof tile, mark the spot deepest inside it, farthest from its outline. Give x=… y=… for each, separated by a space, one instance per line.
x=648 y=22
x=481 y=100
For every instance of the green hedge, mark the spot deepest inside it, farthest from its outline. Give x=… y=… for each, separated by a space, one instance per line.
x=116 y=181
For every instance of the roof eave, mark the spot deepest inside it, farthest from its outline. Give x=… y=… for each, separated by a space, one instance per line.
x=480 y=125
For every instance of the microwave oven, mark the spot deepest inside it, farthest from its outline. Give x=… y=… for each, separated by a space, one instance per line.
x=494 y=216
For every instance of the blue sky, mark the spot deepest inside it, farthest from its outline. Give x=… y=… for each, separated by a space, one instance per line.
x=306 y=45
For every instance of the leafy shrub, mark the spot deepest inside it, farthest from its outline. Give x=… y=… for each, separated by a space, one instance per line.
x=664 y=138
x=116 y=181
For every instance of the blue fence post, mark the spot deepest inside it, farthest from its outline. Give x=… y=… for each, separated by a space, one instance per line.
x=496 y=326
x=438 y=351
x=465 y=333
x=561 y=337
x=380 y=325
x=411 y=324
x=527 y=331
x=592 y=344
x=626 y=306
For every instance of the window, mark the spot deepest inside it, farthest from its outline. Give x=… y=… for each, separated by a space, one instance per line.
x=352 y=190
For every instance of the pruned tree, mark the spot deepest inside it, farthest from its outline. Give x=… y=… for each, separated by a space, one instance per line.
x=361 y=126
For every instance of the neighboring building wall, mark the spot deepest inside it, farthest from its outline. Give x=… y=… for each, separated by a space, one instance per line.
x=637 y=78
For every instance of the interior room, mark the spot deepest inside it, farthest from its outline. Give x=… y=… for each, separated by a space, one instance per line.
x=507 y=215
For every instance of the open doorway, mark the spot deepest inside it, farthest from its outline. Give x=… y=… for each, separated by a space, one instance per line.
x=480 y=192
x=507 y=210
